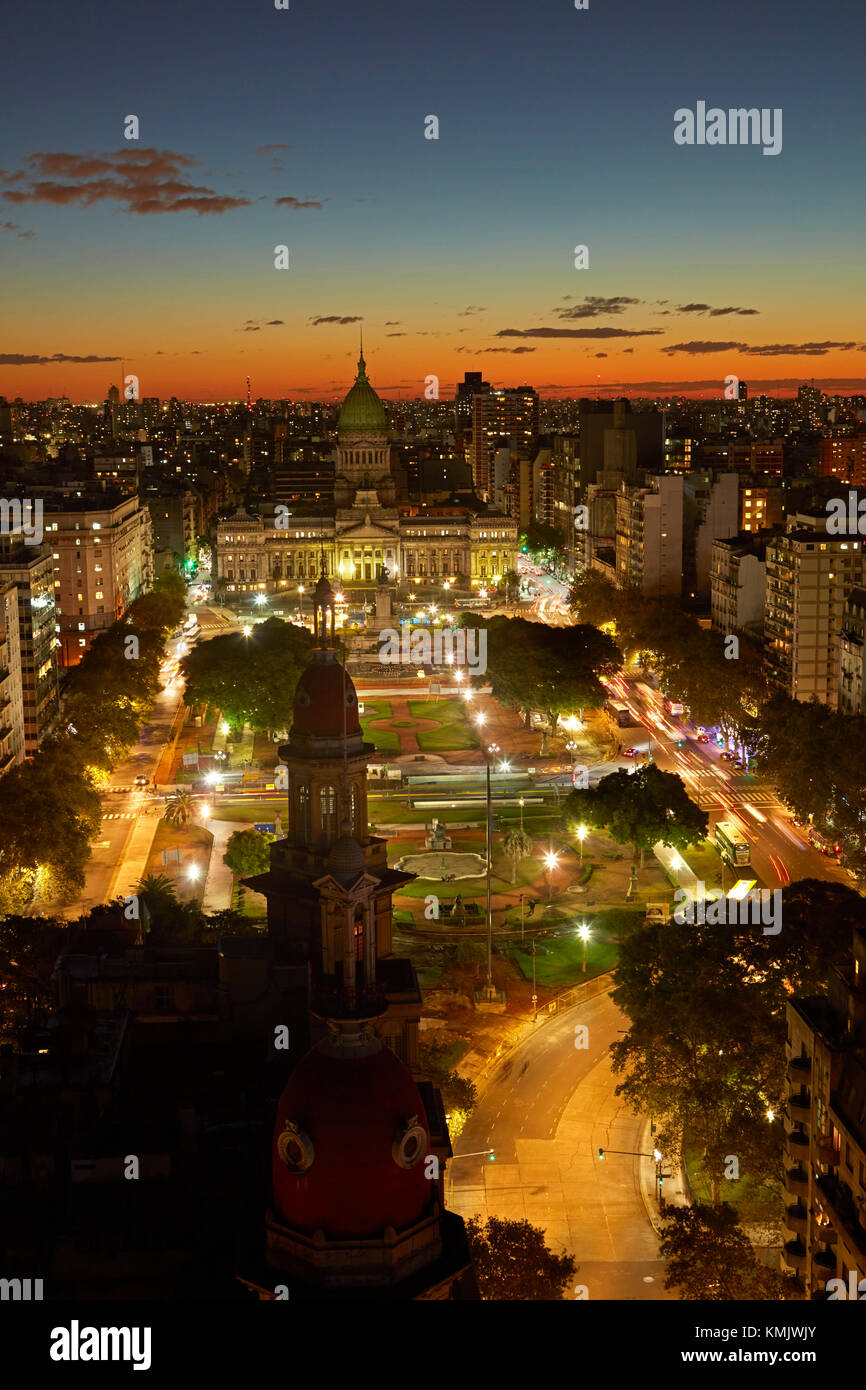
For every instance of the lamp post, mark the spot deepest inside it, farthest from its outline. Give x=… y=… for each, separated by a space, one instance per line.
x=583 y=933
x=522 y=932
x=521 y=815
x=581 y=835
x=551 y=861
x=480 y=719
x=301 y=601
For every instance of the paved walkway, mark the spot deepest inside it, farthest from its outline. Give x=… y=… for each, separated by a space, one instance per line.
x=220 y=880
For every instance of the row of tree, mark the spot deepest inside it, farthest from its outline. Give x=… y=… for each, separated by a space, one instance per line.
x=719 y=679
x=804 y=747
x=249 y=679
x=49 y=806
x=810 y=752
x=532 y=666
x=704 y=1054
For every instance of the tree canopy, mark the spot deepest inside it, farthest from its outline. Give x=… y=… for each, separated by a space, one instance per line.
x=249 y=679
x=709 y=1257
x=640 y=808
x=551 y=669
x=512 y=1261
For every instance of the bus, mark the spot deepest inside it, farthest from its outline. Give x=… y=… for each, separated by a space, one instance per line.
x=674 y=707
x=619 y=713
x=731 y=843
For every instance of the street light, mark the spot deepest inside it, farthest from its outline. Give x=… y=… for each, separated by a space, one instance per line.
x=581 y=835
x=261 y=600
x=521 y=804
x=583 y=933
x=494 y=748
x=481 y=717
x=551 y=860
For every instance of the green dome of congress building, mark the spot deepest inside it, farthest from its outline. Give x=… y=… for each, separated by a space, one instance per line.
x=362 y=411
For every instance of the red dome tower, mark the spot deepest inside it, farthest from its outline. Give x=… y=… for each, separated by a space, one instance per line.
x=356 y=1187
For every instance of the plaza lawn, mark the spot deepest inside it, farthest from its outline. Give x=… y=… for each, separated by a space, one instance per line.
x=387 y=811
x=253 y=812
x=454 y=734
x=385 y=740
x=561 y=966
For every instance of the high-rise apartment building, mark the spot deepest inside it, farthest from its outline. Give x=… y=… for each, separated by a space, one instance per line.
x=471 y=385
x=602 y=450
x=809 y=576
x=738 y=580
x=11 y=691
x=852 y=650
x=31 y=570
x=843 y=457
x=649 y=537
x=103 y=559
x=825 y=1130
x=507 y=415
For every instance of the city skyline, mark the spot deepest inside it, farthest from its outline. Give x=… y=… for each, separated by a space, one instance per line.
x=454 y=253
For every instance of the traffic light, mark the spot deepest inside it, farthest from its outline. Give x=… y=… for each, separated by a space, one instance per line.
x=601 y=1153
x=492 y=1157
x=679 y=743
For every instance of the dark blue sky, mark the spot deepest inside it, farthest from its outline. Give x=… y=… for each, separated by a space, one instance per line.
x=556 y=127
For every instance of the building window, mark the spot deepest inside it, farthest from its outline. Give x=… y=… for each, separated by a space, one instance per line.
x=304 y=814
x=328 y=813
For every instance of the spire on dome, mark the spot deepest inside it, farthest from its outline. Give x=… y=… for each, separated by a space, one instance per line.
x=362 y=365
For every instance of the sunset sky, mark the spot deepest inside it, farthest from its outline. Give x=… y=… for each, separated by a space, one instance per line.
x=456 y=254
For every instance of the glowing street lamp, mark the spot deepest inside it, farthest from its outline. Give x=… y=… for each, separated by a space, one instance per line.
x=481 y=717
x=261 y=600
x=193 y=873
x=551 y=860
x=224 y=728
x=583 y=933
x=247 y=629
x=581 y=835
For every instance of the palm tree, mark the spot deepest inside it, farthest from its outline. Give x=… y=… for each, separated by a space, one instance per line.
x=157 y=886
x=517 y=845
x=179 y=810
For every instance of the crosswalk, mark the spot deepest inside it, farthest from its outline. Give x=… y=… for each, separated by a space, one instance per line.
x=735 y=796
x=120 y=815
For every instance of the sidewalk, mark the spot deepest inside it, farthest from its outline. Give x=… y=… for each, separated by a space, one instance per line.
x=220 y=880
